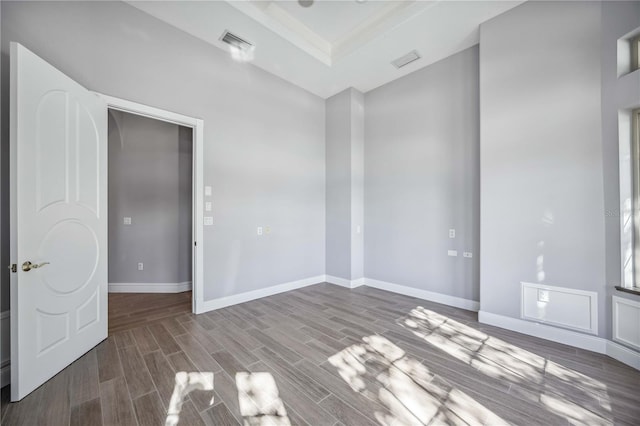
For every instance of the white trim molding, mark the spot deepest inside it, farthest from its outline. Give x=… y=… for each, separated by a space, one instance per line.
x=198 y=181
x=344 y=282
x=223 y=302
x=5 y=349
x=560 y=306
x=623 y=354
x=149 y=287
x=445 y=299
x=564 y=336
x=626 y=322
x=543 y=331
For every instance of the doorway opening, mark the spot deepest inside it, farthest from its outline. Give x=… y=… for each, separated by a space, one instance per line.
x=150 y=220
x=155 y=214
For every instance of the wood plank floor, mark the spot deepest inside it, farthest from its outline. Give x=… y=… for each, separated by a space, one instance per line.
x=132 y=310
x=326 y=355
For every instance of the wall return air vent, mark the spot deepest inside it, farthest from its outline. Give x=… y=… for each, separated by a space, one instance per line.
x=406 y=59
x=235 y=42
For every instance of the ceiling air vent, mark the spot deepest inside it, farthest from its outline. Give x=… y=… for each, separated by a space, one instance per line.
x=406 y=59
x=235 y=41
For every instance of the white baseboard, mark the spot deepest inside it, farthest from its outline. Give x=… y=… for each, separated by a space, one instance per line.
x=223 y=302
x=458 y=302
x=623 y=354
x=344 y=282
x=5 y=349
x=548 y=332
x=149 y=287
x=561 y=335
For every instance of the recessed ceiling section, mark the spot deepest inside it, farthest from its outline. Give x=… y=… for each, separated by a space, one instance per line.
x=332 y=20
x=329 y=29
x=333 y=45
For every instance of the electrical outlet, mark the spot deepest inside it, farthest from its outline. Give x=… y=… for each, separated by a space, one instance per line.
x=207 y=206
x=126 y=221
x=140 y=266
x=208 y=220
x=267 y=230
x=207 y=191
x=543 y=295
x=259 y=230
x=452 y=253
x=452 y=233
x=467 y=254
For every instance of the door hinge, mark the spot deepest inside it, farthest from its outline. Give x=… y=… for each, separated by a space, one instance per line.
x=13 y=268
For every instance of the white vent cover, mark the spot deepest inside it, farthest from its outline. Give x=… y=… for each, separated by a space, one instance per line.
x=406 y=59
x=235 y=41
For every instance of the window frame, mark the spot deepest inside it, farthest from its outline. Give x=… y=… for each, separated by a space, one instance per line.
x=635 y=182
x=635 y=53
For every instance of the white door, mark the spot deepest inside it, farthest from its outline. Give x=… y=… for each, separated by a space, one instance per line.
x=58 y=221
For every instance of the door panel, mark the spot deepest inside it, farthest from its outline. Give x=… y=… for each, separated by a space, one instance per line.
x=59 y=221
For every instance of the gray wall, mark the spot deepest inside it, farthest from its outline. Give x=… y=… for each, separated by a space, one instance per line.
x=542 y=212
x=421 y=178
x=264 y=138
x=357 y=184
x=338 y=192
x=345 y=186
x=149 y=181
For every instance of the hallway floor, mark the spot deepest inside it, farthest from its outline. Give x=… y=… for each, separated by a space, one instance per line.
x=132 y=310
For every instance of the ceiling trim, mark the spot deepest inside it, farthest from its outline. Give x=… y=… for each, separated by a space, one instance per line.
x=393 y=14
x=281 y=22
x=286 y=26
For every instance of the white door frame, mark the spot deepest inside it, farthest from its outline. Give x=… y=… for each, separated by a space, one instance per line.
x=197 y=273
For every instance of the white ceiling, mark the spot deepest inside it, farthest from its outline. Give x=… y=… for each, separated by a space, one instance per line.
x=331 y=19
x=333 y=45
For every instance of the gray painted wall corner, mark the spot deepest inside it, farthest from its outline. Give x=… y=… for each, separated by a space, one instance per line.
x=421 y=178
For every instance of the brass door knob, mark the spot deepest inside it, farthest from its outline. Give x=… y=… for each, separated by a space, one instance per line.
x=27 y=266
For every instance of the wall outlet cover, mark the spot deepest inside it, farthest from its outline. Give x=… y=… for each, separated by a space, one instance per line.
x=207 y=191
x=543 y=295
x=467 y=254
x=207 y=206
x=259 y=230
x=126 y=221
x=452 y=233
x=452 y=252
x=208 y=220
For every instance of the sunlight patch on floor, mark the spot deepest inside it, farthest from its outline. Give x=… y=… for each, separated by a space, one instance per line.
x=259 y=400
x=561 y=390
x=185 y=383
x=403 y=387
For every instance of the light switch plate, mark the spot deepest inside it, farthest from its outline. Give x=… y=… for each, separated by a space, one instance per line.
x=452 y=233
x=208 y=220
x=467 y=254
x=127 y=221
x=207 y=191
x=259 y=230
x=452 y=252
x=207 y=206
